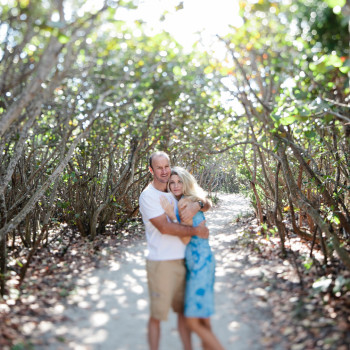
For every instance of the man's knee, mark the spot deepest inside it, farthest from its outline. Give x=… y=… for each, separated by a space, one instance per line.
x=154 y=321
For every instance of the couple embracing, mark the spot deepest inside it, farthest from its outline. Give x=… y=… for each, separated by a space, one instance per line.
x=180 y=265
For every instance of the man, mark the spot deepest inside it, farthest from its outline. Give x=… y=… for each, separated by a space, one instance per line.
x=165 y=264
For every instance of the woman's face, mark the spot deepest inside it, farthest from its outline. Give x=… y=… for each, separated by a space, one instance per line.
x=176 y=186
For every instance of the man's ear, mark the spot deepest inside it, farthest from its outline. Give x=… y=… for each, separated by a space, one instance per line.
x=150 y=170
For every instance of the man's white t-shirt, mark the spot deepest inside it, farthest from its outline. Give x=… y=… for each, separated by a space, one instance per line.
x=160 y=246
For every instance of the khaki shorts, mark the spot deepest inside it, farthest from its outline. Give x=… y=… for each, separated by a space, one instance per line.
x=166 y=286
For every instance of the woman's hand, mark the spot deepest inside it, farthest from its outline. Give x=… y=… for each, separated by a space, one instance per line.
x=168 y=207
x=187 y=210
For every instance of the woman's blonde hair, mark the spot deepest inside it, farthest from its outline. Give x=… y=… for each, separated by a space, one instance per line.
x=191 y=188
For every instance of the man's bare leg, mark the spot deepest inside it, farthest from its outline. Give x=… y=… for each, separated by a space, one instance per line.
x=153 y=333
x=184 y=331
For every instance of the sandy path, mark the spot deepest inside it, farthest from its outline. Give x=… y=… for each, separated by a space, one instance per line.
x=109 y=309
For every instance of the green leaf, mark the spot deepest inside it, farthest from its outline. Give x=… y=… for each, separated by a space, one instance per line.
x=208 y=70
x=344 y=70
x=336 y=219
x=24 y=3
x=334 y=3
x=177 y=70
x=319 y=66
x=301 y=118
x=62 y=38
x=276 y=117
x=288 y=120
x=310 y=134
x=334 y=60
x=308 y=264
x=328 y=118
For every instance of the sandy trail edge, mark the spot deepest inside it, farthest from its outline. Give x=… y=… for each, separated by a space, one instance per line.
x=109 y=308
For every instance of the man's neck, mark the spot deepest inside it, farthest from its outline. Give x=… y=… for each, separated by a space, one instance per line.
x=159 y=186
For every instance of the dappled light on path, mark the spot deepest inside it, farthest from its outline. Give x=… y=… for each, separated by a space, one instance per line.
x=108 y=309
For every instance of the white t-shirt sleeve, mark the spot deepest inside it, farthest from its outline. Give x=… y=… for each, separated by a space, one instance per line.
x=150 y=206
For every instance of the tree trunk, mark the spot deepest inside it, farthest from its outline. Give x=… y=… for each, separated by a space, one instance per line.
x=3 y=264
x=258 y=203
x=304 y=203
x=325 y=194
x=300 y=178
x=278 y=223
x=12 y=224
x=47 y=61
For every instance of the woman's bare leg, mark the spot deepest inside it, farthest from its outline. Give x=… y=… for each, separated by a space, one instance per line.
x=205 y=322
x=185 y=332
x=203 y=330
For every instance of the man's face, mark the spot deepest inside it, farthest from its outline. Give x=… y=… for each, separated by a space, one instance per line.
x=161 y=169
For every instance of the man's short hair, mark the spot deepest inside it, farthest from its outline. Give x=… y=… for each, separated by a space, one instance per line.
x=157 y=154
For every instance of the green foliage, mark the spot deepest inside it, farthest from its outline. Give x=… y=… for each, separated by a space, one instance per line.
x=308 y=263
x=23 y=346
x=341 y=284
x=287 y=71
x=286 y=75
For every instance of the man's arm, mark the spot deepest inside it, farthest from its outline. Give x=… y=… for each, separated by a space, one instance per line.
x=207 y=204
x=170 y=228
x=190 y=209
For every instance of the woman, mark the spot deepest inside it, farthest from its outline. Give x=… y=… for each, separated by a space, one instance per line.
x=200 y=263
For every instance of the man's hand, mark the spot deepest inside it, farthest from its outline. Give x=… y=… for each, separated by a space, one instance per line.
x=203 y=231
x=188 y=210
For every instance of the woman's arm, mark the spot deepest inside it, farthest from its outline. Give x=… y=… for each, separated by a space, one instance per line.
x=185 y=240
x=168 y=208
x=169 y=211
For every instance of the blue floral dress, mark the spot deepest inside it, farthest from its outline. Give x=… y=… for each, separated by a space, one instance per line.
x=200 y=276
